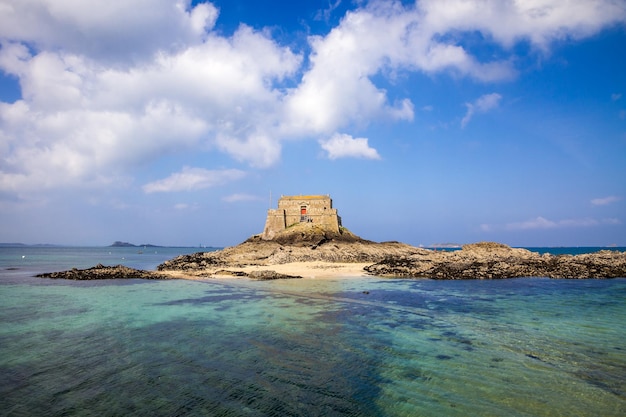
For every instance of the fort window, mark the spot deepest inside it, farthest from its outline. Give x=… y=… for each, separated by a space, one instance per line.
x=304 y=217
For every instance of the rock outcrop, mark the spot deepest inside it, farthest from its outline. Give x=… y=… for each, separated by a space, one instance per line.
x=485 y=260
x=489 y=260
x=312 y=243
x=299 y=243
x=104 y=272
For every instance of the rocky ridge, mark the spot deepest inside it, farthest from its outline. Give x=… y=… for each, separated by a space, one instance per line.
x=488 y=260
x=299 y=243
x=311 y=243
x=485 y=260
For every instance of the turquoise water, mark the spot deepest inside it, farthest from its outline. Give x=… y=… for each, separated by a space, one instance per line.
x=344 y=347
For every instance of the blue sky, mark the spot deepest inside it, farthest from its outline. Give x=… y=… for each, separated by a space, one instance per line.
x=173 y=122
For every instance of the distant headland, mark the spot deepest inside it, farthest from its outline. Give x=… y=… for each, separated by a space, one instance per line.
x=304 y=237
x=118 y=244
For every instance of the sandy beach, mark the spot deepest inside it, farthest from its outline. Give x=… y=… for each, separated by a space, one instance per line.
x=314 y=269
x=310 y=270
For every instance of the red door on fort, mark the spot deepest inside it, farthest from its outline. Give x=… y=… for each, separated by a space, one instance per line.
x=303 y=211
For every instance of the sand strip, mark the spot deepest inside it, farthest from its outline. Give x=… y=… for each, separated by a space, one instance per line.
x=311 y=270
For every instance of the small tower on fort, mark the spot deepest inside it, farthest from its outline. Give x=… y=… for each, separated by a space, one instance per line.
x=314 y=209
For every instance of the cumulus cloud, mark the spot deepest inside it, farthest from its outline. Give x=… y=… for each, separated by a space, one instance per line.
x=106 y=85
x=345 y=146
x=79 y=121
x=539 y=21
x=481 y=105
x=191 y=179
x=605 y=200
x=119 y=31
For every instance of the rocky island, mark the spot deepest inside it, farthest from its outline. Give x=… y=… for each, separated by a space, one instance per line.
x=304 y=237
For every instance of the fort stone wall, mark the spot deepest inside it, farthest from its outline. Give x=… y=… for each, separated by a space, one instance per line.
x=315 y=209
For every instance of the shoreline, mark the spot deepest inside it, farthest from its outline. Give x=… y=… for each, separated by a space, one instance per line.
x=269 y=261
x=302 y=270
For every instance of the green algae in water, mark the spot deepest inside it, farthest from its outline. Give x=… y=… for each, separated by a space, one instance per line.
x=368 y=347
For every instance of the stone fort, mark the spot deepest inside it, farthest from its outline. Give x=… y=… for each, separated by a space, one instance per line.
x=315 y=209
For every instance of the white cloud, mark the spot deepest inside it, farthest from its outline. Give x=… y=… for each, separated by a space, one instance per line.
x=481 y=105
x=543 y=223
x=191 y=179
x=325 y=14
x=616 y=96
x=345 y=146
x=107 y=84
x=236 y=198
x=83 y=123
x=186 y=206
x=121 y=31
x=536 y=223
x=605 y=200
x=539 y=21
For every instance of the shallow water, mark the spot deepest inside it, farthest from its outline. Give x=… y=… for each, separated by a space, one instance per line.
x=26 y=261
x=345 y=347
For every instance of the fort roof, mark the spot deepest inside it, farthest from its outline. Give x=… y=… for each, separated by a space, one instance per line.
x=303 y=197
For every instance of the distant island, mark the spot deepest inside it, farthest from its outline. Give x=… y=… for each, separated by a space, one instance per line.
x=118 y=244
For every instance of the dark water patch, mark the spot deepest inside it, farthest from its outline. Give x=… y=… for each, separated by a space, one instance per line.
x=209 y=299
x=396 y=298
x=309 y=301
x=91 y=283
x=443 y=357
x=535 y=357
x=607 y=382
x=219 y=295
x=74 y=311
x=454 y=337
x=196 y=367
x=415 y=374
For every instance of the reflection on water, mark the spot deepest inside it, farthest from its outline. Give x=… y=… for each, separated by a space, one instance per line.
x=353 y=347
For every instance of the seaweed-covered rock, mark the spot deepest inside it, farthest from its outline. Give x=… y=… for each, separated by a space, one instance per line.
x=265 y=275
x=104 y=272
x=488 y=260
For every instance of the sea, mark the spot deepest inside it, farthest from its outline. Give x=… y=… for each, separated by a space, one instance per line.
x=361 y=346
